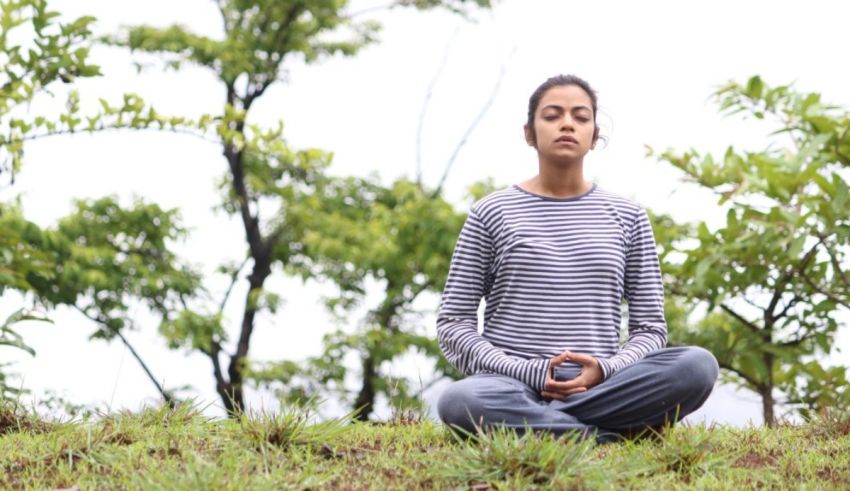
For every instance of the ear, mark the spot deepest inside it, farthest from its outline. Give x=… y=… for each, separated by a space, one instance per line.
x=595 y=137
x=529 y=136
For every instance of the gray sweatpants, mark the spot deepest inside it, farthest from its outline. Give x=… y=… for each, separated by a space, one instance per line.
x=663 y=387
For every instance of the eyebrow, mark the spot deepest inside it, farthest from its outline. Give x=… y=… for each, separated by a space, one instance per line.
x=561 y=108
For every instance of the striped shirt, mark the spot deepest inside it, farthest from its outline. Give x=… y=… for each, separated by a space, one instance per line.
x=554 y=273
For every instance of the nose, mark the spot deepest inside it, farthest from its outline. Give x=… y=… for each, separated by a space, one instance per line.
x=567 y=122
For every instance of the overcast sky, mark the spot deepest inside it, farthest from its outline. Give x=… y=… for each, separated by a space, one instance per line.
x=654 y=65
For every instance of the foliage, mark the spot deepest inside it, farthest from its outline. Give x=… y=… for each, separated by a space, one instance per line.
x=102 y=257
x=52 y=56
x=180 y=448
x=58 y=53
x=773 y=279
x=260 y=38
x=356 y=232
x=10 y=338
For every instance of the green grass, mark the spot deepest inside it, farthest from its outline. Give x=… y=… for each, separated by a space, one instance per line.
x=182 y=449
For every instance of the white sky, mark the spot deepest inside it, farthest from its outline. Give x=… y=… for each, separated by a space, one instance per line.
x=653 y=63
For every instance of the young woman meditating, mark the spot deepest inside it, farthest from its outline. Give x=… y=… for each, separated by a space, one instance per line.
x=554 y=257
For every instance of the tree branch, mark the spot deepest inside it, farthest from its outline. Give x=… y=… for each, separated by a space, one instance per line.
x=796 y=342
x=179 y=131
x=787 y=307
x=425 y=103
x=369 y=10
x=769 y=318
x=471 y=128
x=739 y=373
x=168 y=398
x=752 y=327
x=825 y=293
x=213 y=353
x=237 y=171
x=233 y=279
x=837 y=267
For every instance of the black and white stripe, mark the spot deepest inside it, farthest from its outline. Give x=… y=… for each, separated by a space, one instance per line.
x=553 y=273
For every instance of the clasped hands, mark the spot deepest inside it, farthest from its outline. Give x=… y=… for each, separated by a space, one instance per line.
x=590 y=375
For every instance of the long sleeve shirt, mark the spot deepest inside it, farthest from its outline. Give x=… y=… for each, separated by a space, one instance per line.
x=554 y=274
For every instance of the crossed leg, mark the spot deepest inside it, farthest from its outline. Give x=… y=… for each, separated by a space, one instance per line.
x=663 y=387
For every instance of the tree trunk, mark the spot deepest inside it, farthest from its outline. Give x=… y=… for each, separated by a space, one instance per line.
x=767 y=404
x=384 y=317
x=366 y=398
x=232 y=395
x=766 y=392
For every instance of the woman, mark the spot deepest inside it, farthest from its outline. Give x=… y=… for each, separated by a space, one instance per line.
x=554 y=257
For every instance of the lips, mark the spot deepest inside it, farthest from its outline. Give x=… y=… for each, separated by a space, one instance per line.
x=566 y=139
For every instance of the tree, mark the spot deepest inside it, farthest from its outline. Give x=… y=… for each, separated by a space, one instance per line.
x=25 y=73
x=356 y=232
x=102 y=258
x=773 y=280
x=107 y=259
x=260 y=37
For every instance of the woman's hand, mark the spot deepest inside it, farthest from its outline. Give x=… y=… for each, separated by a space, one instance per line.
x=591 y=374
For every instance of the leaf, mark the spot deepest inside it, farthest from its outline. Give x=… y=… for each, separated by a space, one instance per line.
x=796 y=246
x=755 y=88
x=839 y=199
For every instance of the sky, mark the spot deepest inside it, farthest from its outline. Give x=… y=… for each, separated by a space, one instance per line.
x=654 y=65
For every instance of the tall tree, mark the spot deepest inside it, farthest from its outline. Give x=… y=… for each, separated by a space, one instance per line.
x=260 y=37
x=773 y=280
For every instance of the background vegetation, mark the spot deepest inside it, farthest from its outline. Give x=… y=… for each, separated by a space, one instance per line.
x=765 y=291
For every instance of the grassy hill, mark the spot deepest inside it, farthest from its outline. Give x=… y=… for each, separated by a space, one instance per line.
x=182 y=449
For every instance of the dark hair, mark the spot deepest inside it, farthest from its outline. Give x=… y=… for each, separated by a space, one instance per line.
x=558 y=81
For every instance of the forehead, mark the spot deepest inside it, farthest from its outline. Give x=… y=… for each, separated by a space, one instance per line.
x=566 y=96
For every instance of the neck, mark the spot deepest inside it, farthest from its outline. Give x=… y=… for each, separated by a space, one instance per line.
x=559 y=181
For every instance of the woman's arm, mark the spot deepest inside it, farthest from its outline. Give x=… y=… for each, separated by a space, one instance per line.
x=645 y=294
x=457 y=322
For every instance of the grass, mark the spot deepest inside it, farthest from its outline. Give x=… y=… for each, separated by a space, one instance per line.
x=162 y=448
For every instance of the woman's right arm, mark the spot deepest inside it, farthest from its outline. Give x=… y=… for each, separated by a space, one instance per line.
x=457 y=322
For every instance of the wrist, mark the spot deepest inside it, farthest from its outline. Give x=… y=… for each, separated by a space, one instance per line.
x=603 y=367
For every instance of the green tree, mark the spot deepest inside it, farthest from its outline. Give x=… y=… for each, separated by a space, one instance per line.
x=260 y=37
x=108 y=259
x=42 y=57
x=773 y=280
x=356 y=232
x=102 y=258
x=57 y=54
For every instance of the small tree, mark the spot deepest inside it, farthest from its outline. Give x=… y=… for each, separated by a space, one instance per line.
x=353 y=232
x=773 y=279
x=102 y=257
x=260 y=37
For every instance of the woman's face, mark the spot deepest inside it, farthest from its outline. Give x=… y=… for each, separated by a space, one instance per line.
x=564 y=130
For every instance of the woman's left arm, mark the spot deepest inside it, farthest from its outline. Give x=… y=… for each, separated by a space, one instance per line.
x=645 y=295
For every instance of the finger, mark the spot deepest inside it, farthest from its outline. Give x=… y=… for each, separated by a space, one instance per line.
x=553 y=395
x=560 y=396
x=553 y=385
x=560 y=359
x=582 y=359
